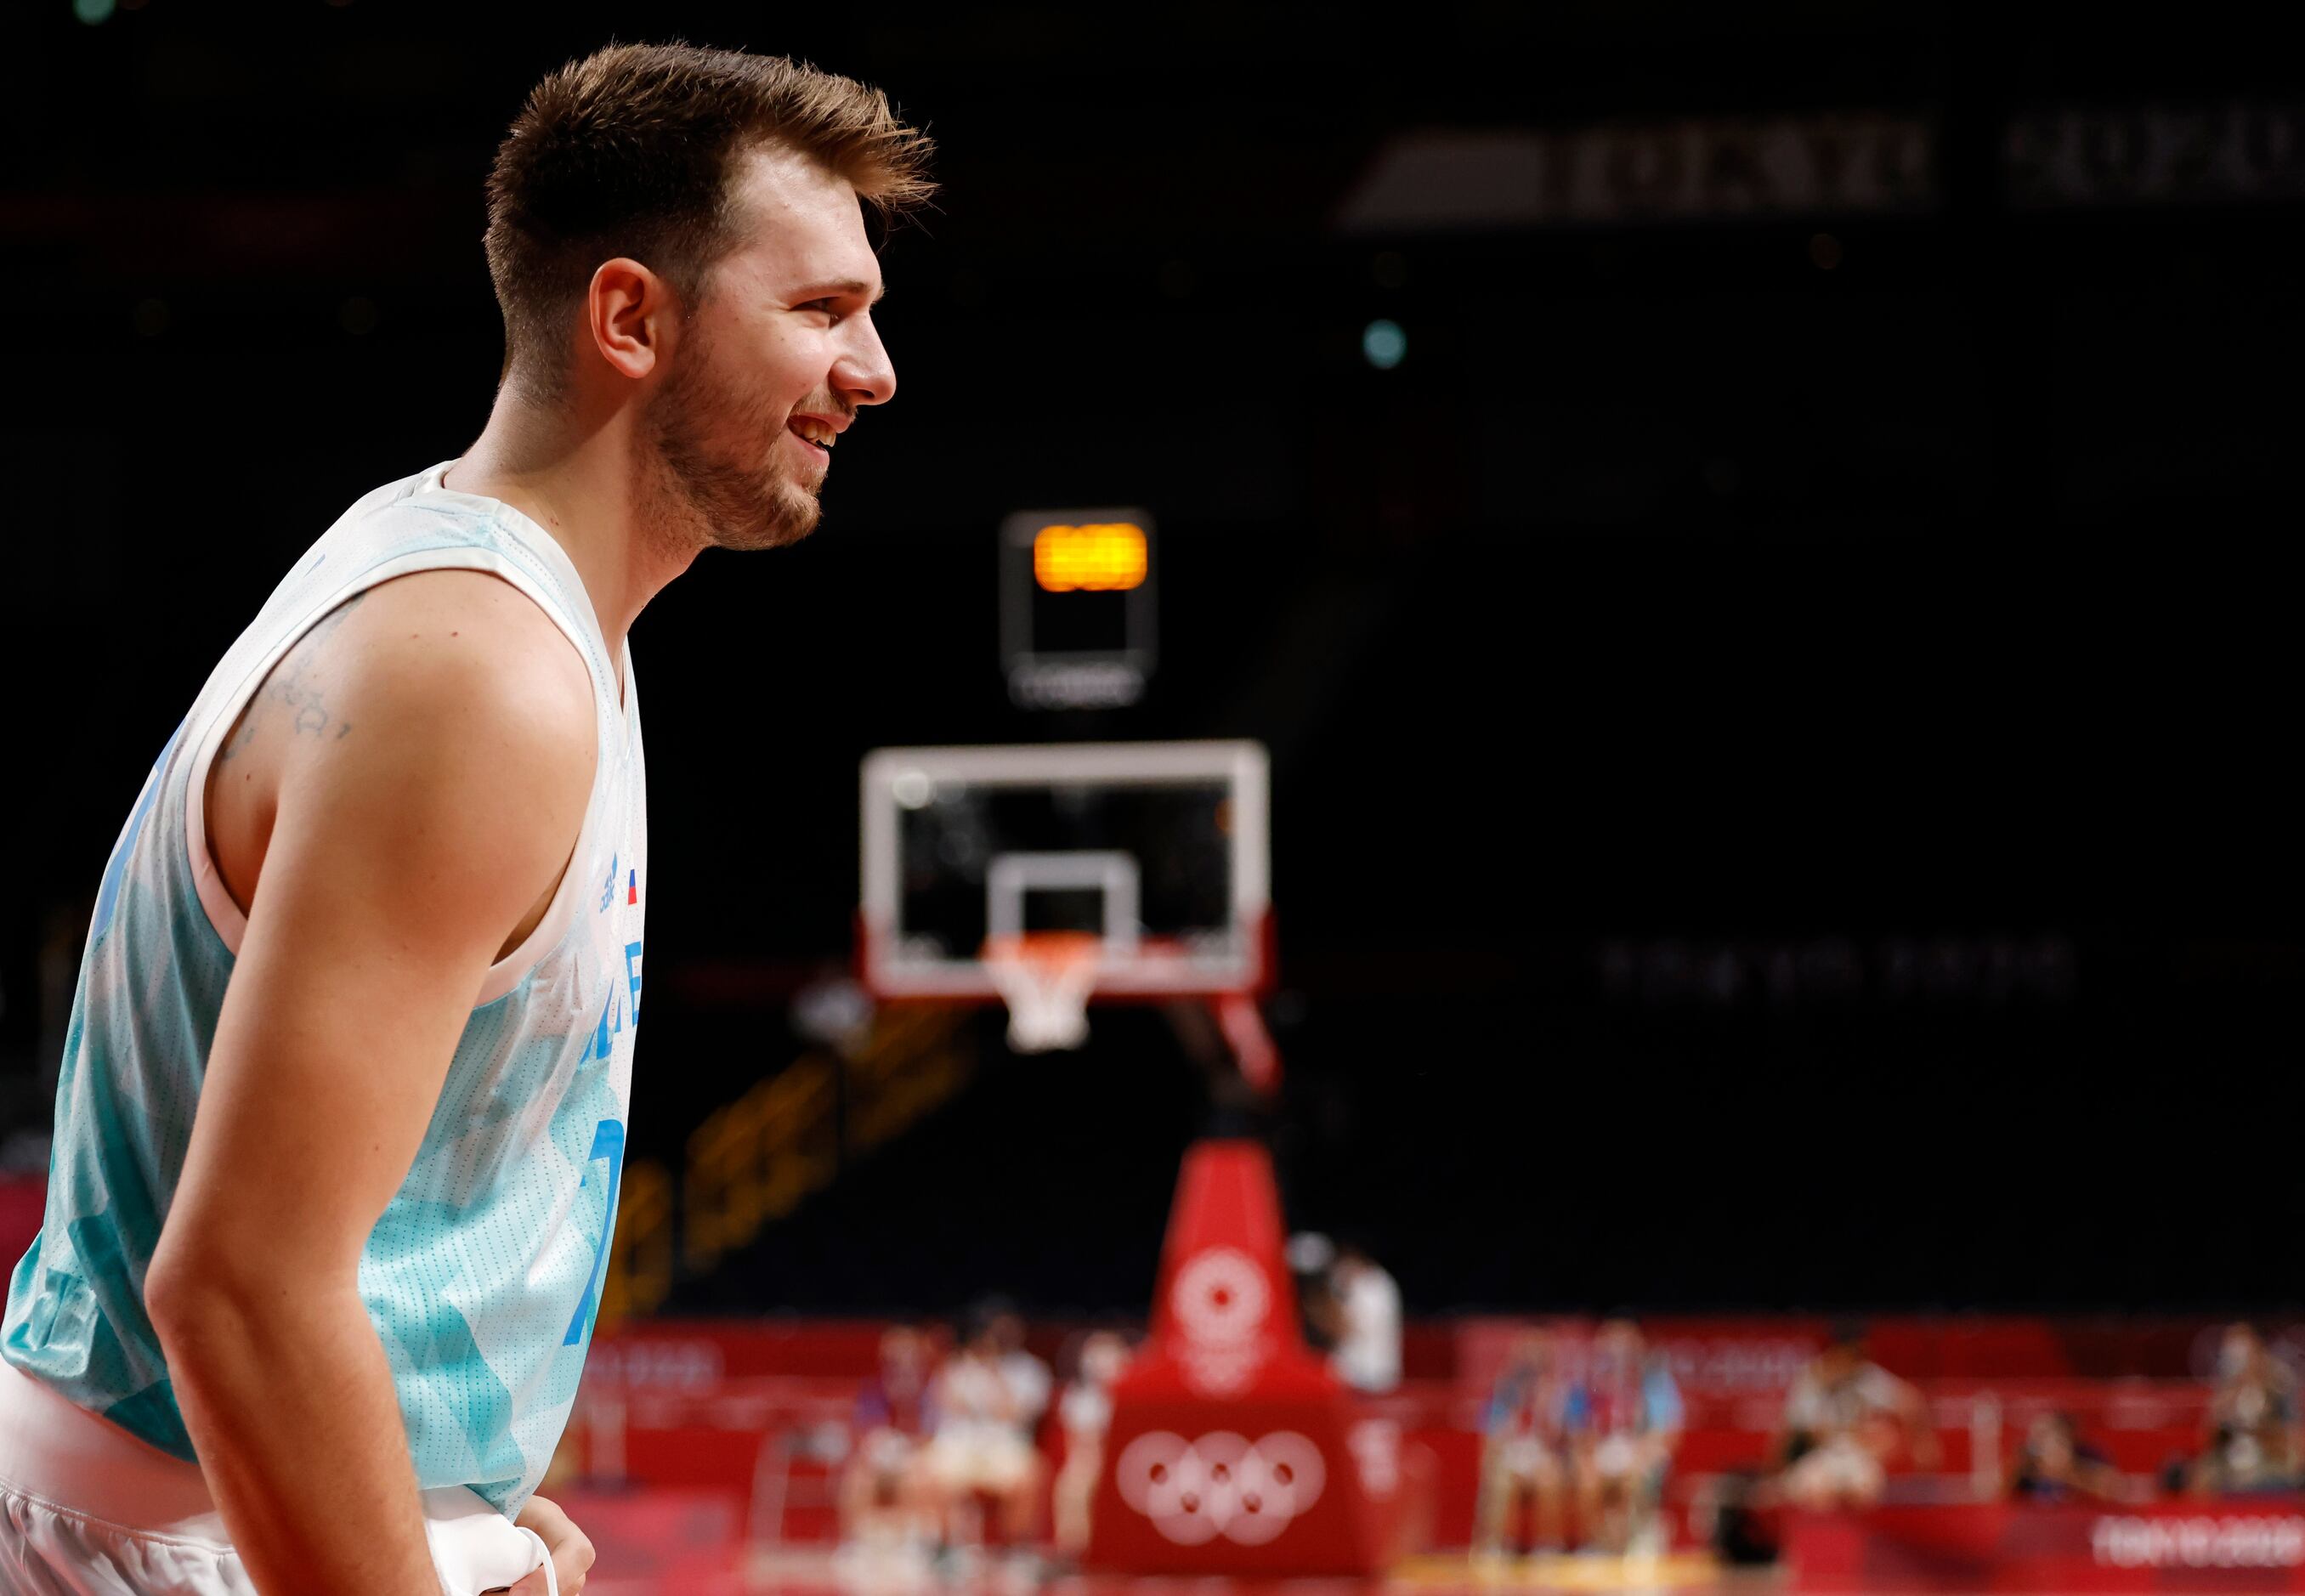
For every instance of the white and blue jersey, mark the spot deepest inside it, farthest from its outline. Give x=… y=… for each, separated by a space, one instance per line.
x=484 y=1274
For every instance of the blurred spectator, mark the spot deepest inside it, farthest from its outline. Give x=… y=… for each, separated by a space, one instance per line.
x=1310 y=1257
x=1029 y=1379
x=1845 y=1416
x=1367 y=1350
x=2054 y=1465
x=1085 y=1412
x=980 y=1443
x=1624 y=1421
x=896 y=1398
x=1524 y=1450
x=890 y=1508
x=2252 y=1441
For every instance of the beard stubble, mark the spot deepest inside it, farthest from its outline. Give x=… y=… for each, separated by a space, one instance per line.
x=709 y=494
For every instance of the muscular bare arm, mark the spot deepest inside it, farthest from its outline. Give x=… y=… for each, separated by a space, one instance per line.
x=399 y=855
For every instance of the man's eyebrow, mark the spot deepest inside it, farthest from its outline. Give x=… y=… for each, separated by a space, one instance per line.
x=848 y=287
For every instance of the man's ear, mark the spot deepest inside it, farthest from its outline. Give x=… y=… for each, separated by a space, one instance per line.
x=629 y=313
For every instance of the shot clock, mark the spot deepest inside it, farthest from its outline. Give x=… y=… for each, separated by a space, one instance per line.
x=1077 y=615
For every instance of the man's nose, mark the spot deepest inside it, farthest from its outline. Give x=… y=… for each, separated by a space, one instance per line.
x=864 y=374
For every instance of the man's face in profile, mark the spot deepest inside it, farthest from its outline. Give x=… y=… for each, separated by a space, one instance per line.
x=777 y=356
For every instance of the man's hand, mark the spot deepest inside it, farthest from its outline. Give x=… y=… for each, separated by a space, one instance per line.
x=572 y=1553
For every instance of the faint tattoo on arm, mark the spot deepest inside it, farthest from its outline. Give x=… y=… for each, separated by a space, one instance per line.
x=295 y=684
x=240 y=736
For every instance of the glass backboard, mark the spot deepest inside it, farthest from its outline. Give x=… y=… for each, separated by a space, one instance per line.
x=1157 y=850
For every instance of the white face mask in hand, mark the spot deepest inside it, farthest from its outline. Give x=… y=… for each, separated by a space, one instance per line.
x=475 y=1549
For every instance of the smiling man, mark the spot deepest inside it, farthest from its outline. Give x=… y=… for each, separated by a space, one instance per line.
x=342 y=1109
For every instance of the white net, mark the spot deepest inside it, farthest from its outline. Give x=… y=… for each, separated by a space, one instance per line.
x=1045 y=979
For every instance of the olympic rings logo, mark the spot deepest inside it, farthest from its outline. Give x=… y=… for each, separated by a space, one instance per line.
x=1222 y=1484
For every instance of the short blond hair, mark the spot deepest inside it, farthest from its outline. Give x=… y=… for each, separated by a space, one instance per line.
x=629 y=152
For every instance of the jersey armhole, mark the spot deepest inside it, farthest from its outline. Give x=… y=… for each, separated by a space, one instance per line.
x=215 y=901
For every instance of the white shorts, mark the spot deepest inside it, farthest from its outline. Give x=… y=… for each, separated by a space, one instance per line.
x=971 y=1456
x=87 y=1509
x=1524 y=1458
x=1619 y=1458
x=1841 y=1466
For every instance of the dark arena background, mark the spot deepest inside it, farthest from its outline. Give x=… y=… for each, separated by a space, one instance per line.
x=1752 y=546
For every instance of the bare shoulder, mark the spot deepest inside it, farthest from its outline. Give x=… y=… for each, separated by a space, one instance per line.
x=459 y=675
x=439 y=716
x=417 y=633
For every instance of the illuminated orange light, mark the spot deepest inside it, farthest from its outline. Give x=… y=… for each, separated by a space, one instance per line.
x=1103 y=557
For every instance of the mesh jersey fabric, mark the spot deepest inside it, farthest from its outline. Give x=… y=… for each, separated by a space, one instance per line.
x=483 y=1275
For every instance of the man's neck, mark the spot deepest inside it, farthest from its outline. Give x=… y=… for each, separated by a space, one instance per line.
x=576 y=475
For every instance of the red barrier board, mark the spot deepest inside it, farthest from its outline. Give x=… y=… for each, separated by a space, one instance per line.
x=1724 y=1359
x=1233 y=1450
x=696 y=1354
x=2257 y=1544
x=702 y=1403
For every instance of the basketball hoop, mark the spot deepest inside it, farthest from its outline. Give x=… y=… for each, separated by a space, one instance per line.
x=1045 y=977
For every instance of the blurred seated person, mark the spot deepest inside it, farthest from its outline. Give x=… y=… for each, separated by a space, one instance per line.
x=2054 y=1465
x=1029 y=1379
x=887 y=1496
x=1524 y=1451
x=1625 y=1418
x=1310 y=1256
x=980 y=1442
x=1085 y=1413
x=2252 y=1436
x=1845 y=1417
x=1366 y=1354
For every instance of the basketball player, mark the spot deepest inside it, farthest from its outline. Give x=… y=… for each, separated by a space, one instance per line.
x=982 y=1443
x=1086 y=1414
x=344 y=1103
x=1844 y=1416
x=1625 y=1418
x=1524 y=1450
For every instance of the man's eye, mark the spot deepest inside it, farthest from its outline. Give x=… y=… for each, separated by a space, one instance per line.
x=824 y=305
